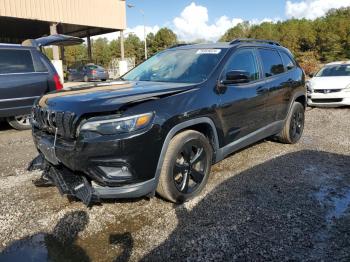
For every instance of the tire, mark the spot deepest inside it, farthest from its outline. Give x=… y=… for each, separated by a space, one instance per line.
x=186 y=167
x=20 y=122
x=70 y=78
x=294 y=126
x=103 y=80
x=86 y=79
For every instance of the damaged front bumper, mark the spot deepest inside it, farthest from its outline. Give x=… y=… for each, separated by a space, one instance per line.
x=95 y=167
x=89 y=192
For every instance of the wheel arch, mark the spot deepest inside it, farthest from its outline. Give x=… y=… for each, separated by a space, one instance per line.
x=300 y=97
x=203 y=125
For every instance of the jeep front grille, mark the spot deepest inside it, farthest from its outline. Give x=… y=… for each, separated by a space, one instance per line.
x=49 y=121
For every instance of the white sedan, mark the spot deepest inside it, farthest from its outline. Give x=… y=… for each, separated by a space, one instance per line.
x=330 y=86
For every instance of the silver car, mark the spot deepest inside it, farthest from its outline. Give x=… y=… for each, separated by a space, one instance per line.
x=86 y=73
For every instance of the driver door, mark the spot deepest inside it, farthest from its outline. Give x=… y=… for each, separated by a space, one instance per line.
x=242 y=105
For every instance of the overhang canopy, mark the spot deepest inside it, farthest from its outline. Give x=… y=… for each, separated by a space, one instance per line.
x=23 y=19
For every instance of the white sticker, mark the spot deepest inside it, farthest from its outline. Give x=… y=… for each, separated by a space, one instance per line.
x=208 y=51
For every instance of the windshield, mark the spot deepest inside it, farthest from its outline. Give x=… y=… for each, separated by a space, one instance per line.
x=178 y=66
x=336 y=70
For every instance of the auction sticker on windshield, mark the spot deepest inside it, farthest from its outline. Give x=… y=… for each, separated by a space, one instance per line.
x=208 y=51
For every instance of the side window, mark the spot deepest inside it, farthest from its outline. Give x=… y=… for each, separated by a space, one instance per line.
x=271 y=61
x=16 y=61
x=39 y=64
x=287 y=61
x=244 y=60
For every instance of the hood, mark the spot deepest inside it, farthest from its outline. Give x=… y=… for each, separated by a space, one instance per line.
x=108 y=96
x=334 y=82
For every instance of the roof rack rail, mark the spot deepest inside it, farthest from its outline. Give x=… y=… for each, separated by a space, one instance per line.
x=178 y=45
x=240 y=40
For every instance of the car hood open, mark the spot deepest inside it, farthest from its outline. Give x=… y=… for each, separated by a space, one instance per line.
x=108 y=97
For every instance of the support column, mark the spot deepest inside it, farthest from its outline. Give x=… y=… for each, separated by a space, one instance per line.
x=123 y=65
x=62 y=54
x=57 y=63
x=122 y=54
x=89 y=47
x=55 y=51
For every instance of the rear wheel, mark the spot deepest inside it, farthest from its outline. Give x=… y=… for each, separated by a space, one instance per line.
x=86 y=79
x=20 y=122
x=294 y=125
x=186 y=167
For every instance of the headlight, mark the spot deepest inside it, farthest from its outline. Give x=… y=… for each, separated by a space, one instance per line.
x=308 y=86
x=118 y=125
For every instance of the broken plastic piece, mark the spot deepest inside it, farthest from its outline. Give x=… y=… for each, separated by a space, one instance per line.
x=37 y=163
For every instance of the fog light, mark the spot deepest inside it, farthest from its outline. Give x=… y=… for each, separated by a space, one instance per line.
x=116 y=172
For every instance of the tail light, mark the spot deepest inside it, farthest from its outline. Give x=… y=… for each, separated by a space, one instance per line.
x=57 y=81
x=94 y=72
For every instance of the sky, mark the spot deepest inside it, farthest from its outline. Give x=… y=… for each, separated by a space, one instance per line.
x=210 y=19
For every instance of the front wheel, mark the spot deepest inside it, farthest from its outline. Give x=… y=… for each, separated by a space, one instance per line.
x=86 y=79
x=294 y=125
x=20 y=122
x=186 y=167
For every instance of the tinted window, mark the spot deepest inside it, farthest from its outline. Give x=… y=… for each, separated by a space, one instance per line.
x=15 y=61
x=287 y=61
x=39 y=64
x=271 y=61
x=244 y=60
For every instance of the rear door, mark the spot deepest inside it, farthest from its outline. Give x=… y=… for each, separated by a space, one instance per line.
x=23 y=79
x=242 y=106
x=277 y=81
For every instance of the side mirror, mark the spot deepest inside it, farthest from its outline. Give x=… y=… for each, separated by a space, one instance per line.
x=236 y=77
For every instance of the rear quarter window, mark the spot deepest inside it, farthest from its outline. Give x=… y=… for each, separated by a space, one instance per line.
x=271 y=61
x=39 y=63
x=288 y=62
x=16 y=61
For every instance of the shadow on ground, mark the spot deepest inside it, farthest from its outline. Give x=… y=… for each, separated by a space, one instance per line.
x=4 y=126
x=272 y=211
x=293 y=207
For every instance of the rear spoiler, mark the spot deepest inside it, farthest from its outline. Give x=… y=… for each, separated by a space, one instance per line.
x=58 y=40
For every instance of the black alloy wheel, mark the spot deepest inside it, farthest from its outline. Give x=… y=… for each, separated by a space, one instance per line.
x=296 y=125
x=186 y=166
x=190 y=167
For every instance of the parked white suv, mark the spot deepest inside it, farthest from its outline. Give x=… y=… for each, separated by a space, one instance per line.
x=330 y=86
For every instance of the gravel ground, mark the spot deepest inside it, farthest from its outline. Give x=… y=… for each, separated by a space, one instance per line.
x=267 y=202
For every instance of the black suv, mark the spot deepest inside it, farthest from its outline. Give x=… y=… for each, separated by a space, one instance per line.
x=169 y=119
x=25 y=75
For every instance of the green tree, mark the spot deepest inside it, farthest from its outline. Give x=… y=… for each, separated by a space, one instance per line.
x=75 y=54
x=163 y=39
x=101 y=51
x=151 y=48
x=266 y=30
x=134 y=47
x=312 y=41
x=239 y=31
